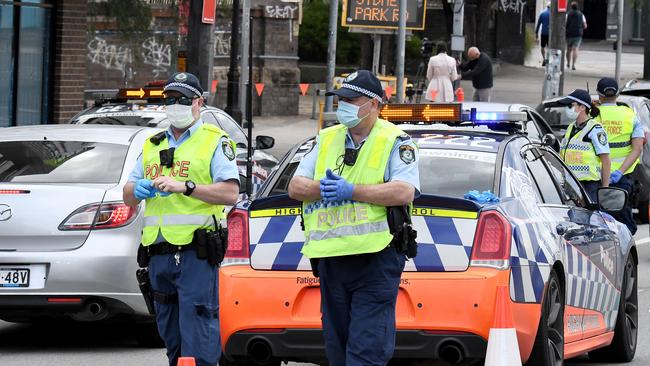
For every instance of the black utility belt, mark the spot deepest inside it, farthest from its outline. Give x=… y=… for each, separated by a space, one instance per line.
x=209 y=245
x=168 y=248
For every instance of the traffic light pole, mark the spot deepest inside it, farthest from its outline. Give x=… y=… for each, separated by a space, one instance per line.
x=331 y=52
x=233 y=107
x=401 y=51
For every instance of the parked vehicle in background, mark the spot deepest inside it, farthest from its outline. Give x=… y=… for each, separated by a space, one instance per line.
x=553 y=113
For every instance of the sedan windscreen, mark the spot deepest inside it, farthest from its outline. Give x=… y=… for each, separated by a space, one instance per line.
x=47 y=161
x=455 y=172
x=121 y=120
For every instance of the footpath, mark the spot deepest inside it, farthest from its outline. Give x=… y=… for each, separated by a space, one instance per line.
x=512 y=84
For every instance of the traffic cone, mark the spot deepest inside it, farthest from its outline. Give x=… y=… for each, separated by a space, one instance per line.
x=433 y=95
x=186 y=361
x=460 y=95
x=503 y=349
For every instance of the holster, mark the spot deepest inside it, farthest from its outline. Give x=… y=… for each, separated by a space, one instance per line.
x=143 y=256
x=314 y=266
x=399 y=223
x=211 y=245
x=142 y=275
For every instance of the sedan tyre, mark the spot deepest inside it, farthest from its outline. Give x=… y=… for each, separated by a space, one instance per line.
x=623 y=345
x=548 y=349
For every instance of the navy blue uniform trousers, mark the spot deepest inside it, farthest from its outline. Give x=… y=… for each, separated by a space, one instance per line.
x=191 y=326
x=625 y=216
x=358 y=297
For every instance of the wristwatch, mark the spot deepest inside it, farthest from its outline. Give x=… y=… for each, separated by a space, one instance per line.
x=189 y=187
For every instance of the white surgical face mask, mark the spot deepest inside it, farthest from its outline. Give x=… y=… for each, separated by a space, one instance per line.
x=571 y=113
x=180 y=115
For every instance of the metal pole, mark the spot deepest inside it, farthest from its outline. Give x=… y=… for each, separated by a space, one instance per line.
x=458 y=41
x=619 y=41
x=331 y=52
x=232 y=107
x=249 y=113
x=401 y=51
x=246 y=14
x=376 y=52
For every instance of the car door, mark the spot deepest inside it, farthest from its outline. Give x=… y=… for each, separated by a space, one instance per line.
x=572 y=223
x=599 y=267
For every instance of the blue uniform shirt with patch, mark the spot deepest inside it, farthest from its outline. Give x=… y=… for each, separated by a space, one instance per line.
x=397 y=169
x=221 y=167
x=637 y=131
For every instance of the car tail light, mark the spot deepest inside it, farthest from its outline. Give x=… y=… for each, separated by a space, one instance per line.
x=108 y=215
x=492 y=241
x=13 y=191
x=238 y=247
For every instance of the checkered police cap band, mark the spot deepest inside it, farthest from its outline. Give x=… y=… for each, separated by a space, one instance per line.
x=363 y=91
x=186 y=86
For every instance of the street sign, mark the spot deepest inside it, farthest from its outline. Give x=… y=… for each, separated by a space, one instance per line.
x=209 y=11
x=382 y=14
x=561 y=6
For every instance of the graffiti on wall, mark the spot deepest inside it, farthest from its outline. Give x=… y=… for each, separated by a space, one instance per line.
x=157 y=54
x=514 y=6
x=121 y=57
x=222 y=44
x=281 y=12
x=109 y=56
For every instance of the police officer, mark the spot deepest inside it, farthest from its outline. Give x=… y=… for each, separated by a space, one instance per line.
x=355 y=170
x=186 y=175
x=584 y=148
x=626 y=136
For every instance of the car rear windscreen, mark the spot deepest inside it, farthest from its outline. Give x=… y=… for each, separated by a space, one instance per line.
x=455 y=172
x=121 y=120
x=47 y=161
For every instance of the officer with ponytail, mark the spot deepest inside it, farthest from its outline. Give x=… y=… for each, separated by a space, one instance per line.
x=585 y=148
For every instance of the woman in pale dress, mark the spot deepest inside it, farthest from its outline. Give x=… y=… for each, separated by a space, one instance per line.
x=441 y=74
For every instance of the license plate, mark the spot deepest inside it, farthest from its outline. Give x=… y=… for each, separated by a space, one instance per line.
x=14 y=277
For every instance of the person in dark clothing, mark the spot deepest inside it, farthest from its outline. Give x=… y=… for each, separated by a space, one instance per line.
x=543 y=22
x=479 y=69
x=576 y=23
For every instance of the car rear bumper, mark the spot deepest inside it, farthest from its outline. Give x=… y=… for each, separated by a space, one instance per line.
x=308 y=345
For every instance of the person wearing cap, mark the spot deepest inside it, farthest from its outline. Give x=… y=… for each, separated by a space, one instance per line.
x=185 y=175
x=626 y=135
x=353 y=173
x=584 y=148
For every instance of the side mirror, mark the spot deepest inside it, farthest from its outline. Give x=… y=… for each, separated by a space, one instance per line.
x=549 y=140
x=611 y=199
x=243 y=181
x=264 y=142
x=241 y=145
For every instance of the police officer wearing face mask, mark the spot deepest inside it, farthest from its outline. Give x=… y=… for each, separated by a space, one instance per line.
x=356 y=170
x=584 y=148
x=626 y=135
x=185 y=174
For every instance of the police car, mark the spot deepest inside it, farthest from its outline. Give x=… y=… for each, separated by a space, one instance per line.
x=497 y=208
x=143 y=107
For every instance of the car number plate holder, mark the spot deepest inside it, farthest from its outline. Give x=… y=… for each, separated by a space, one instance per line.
x=14 y=277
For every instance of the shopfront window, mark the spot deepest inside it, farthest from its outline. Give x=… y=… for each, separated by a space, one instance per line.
x=25 y=38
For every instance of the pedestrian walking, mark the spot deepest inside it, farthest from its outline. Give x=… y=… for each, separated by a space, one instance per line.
x=584 y=148
x=543 y=22
x=185 y=175
x=576 y=23
x=626 y=135
x=479 y=69
x=441 y=74
x=355 y=171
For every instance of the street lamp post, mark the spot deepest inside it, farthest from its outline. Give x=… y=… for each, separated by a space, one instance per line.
x=233 y=107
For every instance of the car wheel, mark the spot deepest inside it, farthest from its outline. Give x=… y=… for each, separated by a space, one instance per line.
x=146 y=334
x=548 y=349
x=643 y=212
x=623 y=345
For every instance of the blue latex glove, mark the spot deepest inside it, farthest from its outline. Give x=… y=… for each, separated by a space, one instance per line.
x=144 y=189
x=615 y=176
x=485 y=197
x=334 y=188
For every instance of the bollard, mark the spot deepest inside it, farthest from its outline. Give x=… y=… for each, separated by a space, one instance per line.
x=314 y=104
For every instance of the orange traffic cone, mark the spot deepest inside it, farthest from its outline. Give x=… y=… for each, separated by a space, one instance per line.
x=186 y=361
x=433 y=95
x=460 y=95
x=503 y=349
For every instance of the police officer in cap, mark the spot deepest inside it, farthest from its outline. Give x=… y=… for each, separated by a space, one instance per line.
x=626 y=136
x=584 y=148
x=185 y=175
x=356 y=170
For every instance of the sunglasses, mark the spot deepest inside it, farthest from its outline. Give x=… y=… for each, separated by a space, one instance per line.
x=178 y=100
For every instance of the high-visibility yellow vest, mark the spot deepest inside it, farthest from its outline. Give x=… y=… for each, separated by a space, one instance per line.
x=177 y=216
x=580 y=155
x=350 y=227
x=618 y=121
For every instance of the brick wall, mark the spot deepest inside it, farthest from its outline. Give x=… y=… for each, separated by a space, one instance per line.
x=70 y=59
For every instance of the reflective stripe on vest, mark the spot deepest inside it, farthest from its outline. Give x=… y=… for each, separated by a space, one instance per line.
x=579 y=155
x=177 y=216
x=350 y=227
x=618 y=121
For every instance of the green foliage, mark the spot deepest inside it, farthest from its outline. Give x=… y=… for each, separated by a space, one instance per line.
x=413 y=46
x=314 y=32
x=131 y=16
x=529 y=41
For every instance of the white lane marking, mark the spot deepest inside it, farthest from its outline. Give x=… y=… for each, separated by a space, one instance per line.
x=643 y=241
